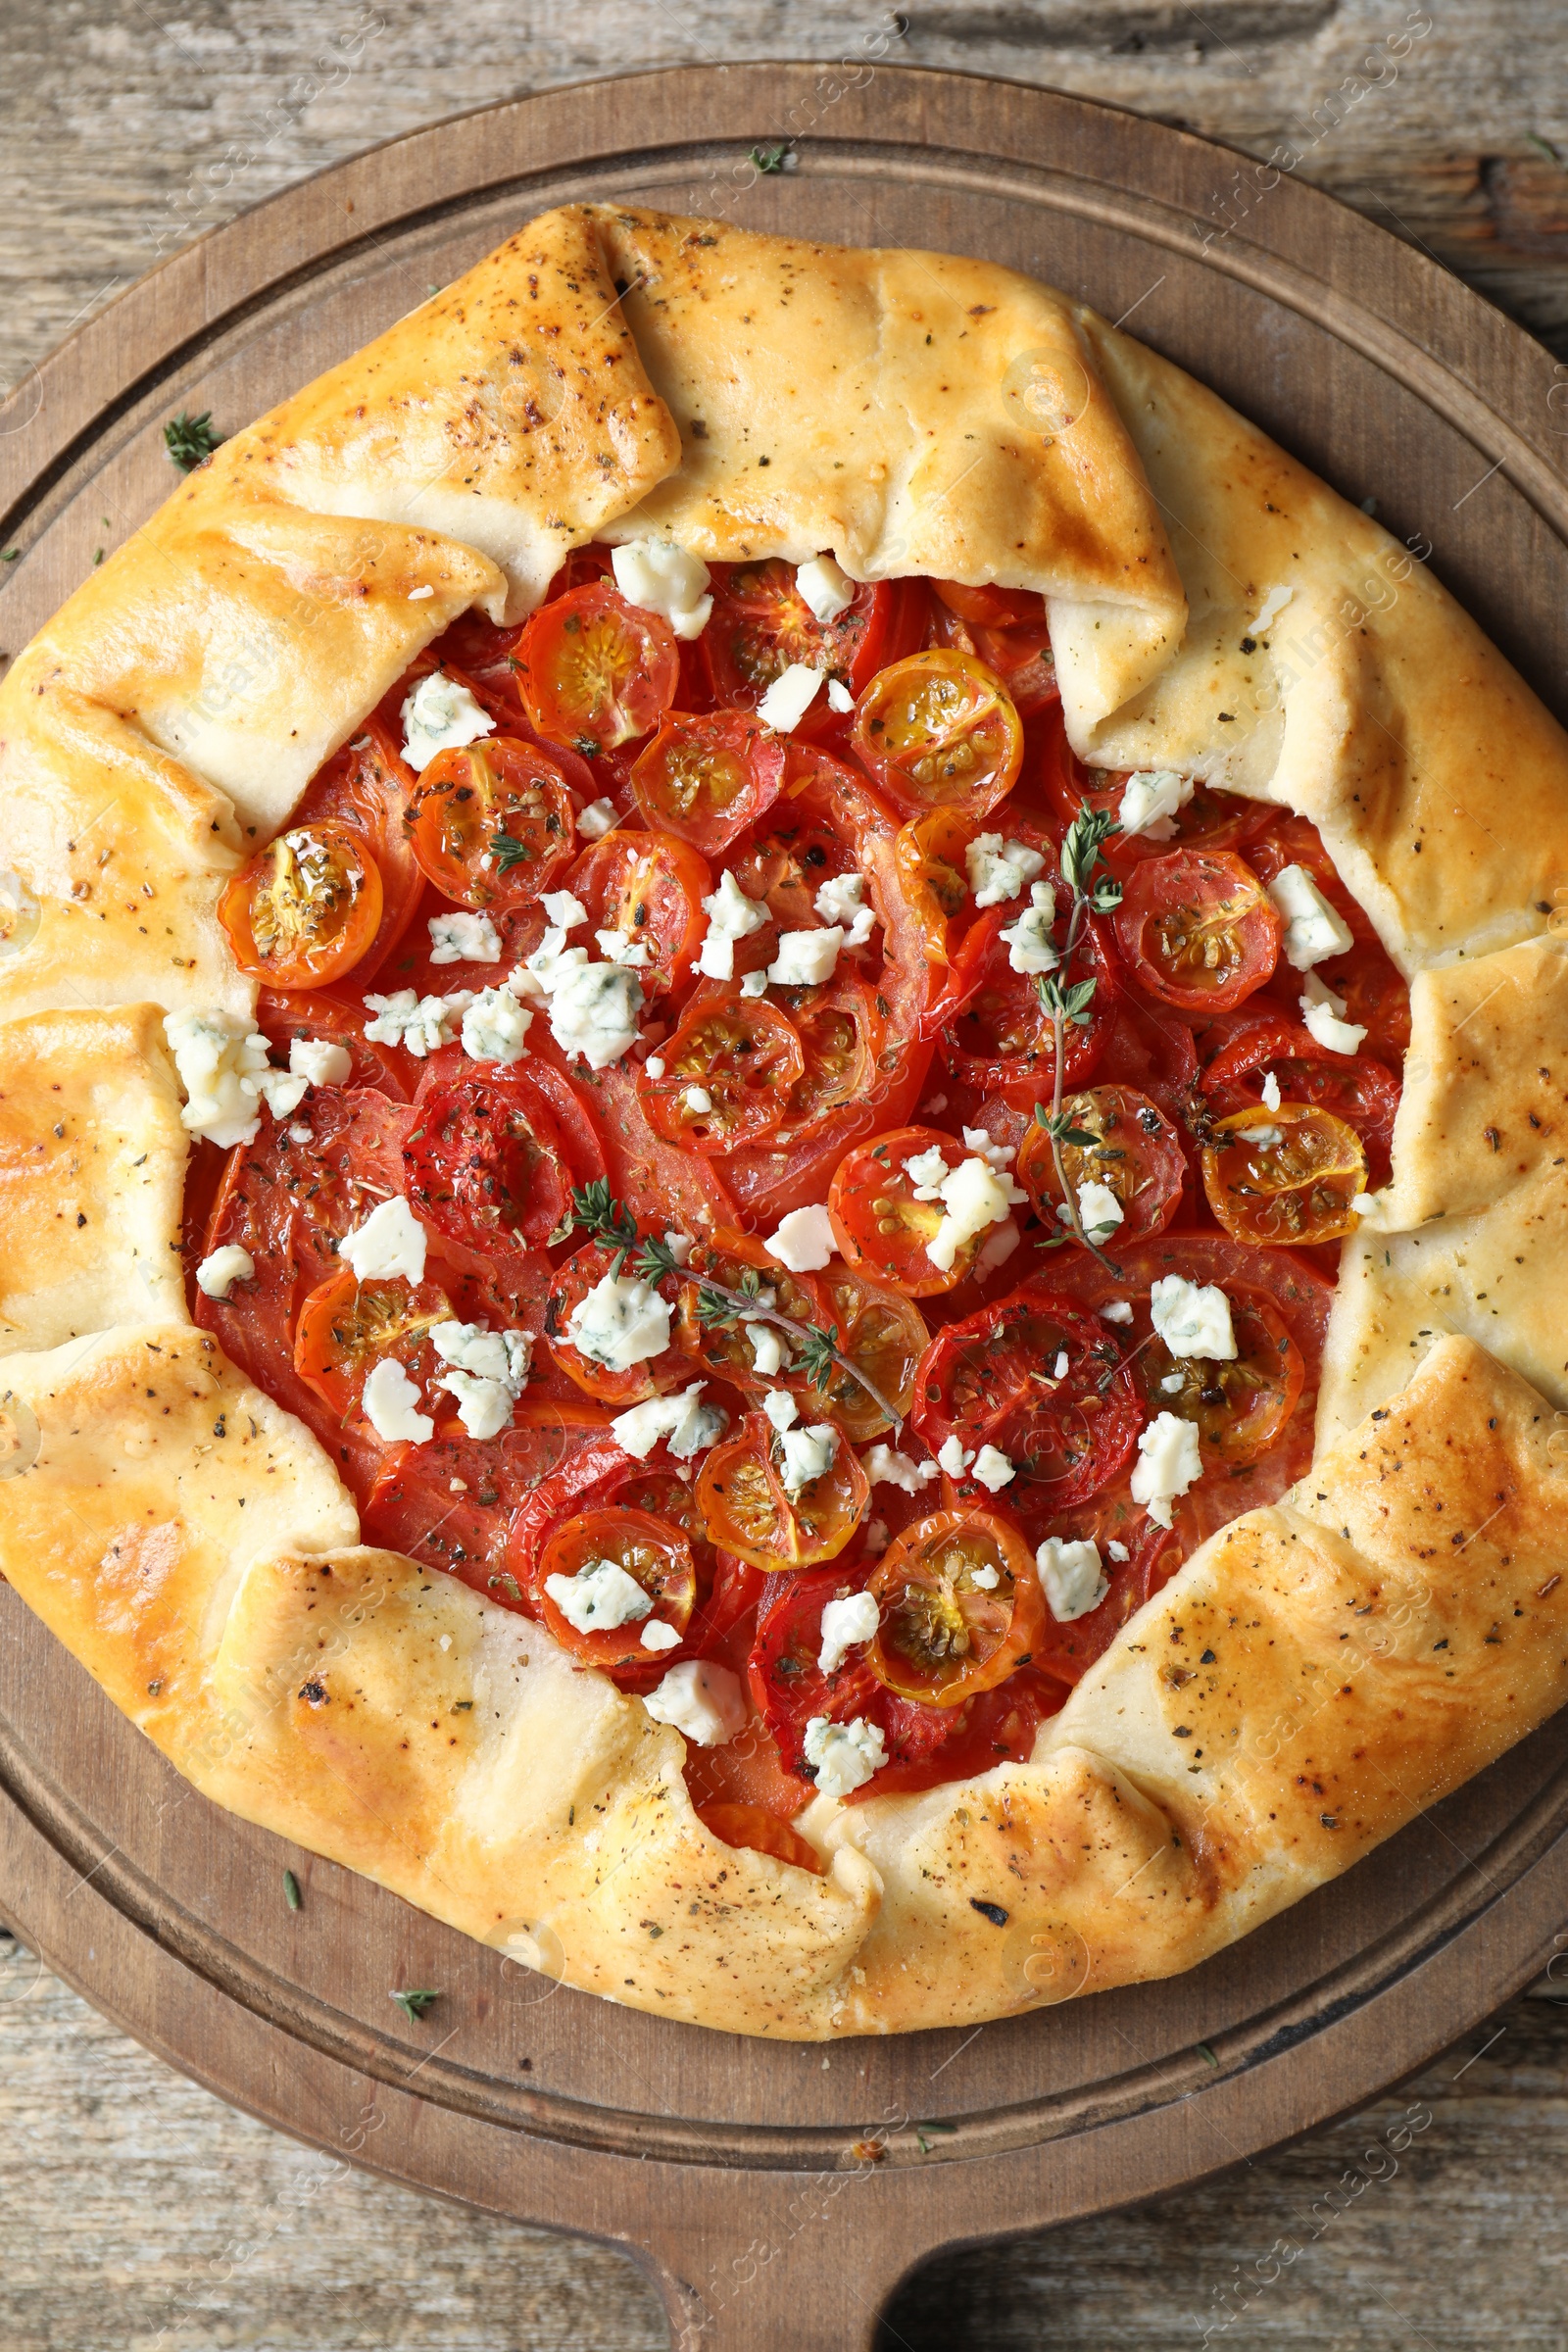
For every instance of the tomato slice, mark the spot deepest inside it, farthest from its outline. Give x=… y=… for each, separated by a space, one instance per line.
x=347 y=1327
x=760 y=625
x=367 y=787
x=707 y=776
x=1040 y=1380
x=881 y=1228
x=884 y=1336
x=786 y=1681
x=282 y=1015
x=1125 y=1143
x=994 y=607
x=940 y=730
x=840 y=1032
x=737 y=1262
x=492 y=822
x=594 y=671
x=488 y=1166
x=570 y=1285
x=728 y=1076
x=652 y=1552
x=1290 y=840
x=1284 y=1176
x=649 y=887
x=1376 y=995
x=663 y=1185
x=1197 y=929
x=746 y=1509
x=960 y=1606
x=450 y=1504
x=1356 y=1089
x=999 y=1037
x=305 y=910
x=1154 y=1553
x=930 y=857
x=1149 y=1048
x=1239 y=1405
x=754 y=1826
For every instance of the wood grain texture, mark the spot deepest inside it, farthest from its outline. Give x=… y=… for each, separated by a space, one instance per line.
x=1147 y=2279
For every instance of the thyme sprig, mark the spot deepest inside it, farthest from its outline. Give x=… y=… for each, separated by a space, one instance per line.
x=506 y=852
x=189 y=440
x=414 y=2003
x=1094 y=890
x=719 y=1305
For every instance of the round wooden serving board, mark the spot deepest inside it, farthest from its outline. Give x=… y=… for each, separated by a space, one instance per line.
x=776 y=2192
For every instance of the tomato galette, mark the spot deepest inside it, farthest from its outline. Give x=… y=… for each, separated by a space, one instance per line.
x=781 y=1108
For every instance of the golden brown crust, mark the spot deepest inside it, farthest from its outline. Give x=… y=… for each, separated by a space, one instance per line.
x=92 y=1168
x=1318 y=1672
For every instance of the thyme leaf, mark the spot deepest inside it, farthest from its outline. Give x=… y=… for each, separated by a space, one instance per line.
x=191 y=440
x=414 y=2004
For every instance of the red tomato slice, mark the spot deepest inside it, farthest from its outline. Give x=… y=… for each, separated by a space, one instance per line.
x=1376 y=995
x=708 y=776
x=451 y=1504
x=761 y=625
x=305 y=910
x=1149 y=1047
x=652 y=1552
x=881 y=1228
x=487 y=1167
x=1239 y=1405
x=1040 y=1380
x=1288 y=840
x=284 y=1016
x=994 y=607
x=367 y=787
x=1155 y=1554
x=746 y=1510
x=1197 y=929
x=729 y=1074
x=1020 y=656
x=649 y=887
x=492 y=822
x=664 y=1185
x=570 y=1287
x=999 y=1036
x=1355 y=1087
x=995 y=1727
x=1283 y=1177
x=787 y=1684
x=754 y=1826
x=1129 y=1146
x=960 y=1607
x=346 y=1327
x=594 y=671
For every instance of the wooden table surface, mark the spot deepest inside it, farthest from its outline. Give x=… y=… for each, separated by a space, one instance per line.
x=139 y=2214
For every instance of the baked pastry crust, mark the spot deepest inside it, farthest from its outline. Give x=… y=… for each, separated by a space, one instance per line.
x=1312 y=1677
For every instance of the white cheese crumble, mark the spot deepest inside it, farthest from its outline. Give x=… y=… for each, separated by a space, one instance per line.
x=807 y=1455
x=1271 y=1092
x=1000 y=869
x=781 y=1410
x=768 y=1354
x=680 y=1245
x=622 y=1322
x=390 y=1242
x=1151 y=800
x=1030 y=947
x=657 y=1635
x=847 y=1623
x=827 y=589
x=981 y=1142
x=460 y=938
x=805 y=959
x=686 y=1426
x=789 y=697
x=991 y=1469
x=1323 y=1013
x=388 y=1400
x=563 y=909
x=1116 y=1311
x=839 y=697
x=319 y=1062
x=884 y=1467
x=222 y=1060
x=705 y=1702
x=440 y=715
x=1099 y=1209
x=657 y=576
x=843 y=1756
x=419 y=1024
x=593 y=1009
x=1071 y=1576
x=998 y=1246
x=1168 y=1461
x=597 y=819
x=842 y=900
x=655 y=1066
x=599 y=1599
x=973 y=1197
x=1313 y=929
x=487 y=1372
x=494 y=1025
x=804 y=1242
x=1272 y=606
x=927 y=1172
x=753 y=984
x=731 y=915
x=1119 y=1552
x=619 y=948
x=220 y=1269
x=954 y=1457
x=1192 y=1318
x=697 y=1100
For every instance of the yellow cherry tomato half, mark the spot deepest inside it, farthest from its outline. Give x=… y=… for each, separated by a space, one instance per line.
x=960 y=1607
x=303 y=911
x=1285 y=1178
x=938 y=730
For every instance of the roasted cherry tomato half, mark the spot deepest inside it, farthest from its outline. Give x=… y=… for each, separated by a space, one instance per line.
x=761 y=626
x=1375 y=998
x=881 y=1225
x=1044 y=1383
x=884 y=1337
x=735 y=1262
x=1355 y=1087
x=1001 y=1038
x=649 y=887
x=707 y=777
x=594 y=671
x=582 y=1273
x=1197 y=929
x=754 y=1826
x=784 y=867
x=366 y=786
x=929 y=854
x=491 y=824
x=784 y=1672
x=938 y=730
x=1238 y=1404
x=753 y=1505
x=840 y=1032
x=305 y=910
x=993 y=608
x=653 y=1553
x=960 y=1607
x=347 y=1327
x=1118 y=1138
x=728 y=1074
x=487 y=1165
x=1283 y=1177
x=284 y=1015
